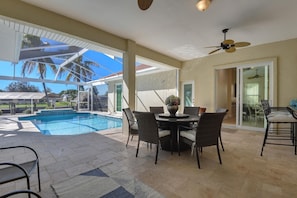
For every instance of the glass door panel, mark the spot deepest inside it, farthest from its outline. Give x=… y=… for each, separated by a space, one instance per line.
x=253 y=88
x=119 y=97
x=188 y=94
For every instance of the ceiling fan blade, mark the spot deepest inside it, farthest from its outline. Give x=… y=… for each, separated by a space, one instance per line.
x=144 y=4
x=241 y=44
x=231 y=49
x=213 y=46
x=228 y=42
x=214 y=51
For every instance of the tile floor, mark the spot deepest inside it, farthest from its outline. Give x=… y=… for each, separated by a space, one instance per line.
x=243 y=172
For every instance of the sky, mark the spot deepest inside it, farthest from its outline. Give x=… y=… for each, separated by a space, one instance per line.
x=107 y=66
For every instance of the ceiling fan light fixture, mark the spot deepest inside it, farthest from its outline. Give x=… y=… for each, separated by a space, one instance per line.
x=202 y=5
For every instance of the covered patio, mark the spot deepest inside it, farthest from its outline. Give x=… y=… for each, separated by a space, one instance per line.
x=243 y=172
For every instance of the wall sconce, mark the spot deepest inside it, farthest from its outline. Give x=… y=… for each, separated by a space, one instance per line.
x=202 y=5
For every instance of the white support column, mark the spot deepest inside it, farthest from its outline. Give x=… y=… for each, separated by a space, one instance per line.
x=32 y=108
x=129 y=78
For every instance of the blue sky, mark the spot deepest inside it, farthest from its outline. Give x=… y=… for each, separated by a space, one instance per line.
x=107 y=66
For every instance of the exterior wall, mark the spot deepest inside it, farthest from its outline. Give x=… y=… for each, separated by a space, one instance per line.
x=111 y=97
x=202 y=70
x=151 y=90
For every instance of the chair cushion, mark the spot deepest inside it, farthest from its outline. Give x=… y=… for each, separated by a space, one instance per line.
x=134 y=126
x=274 y=113
x=163 y=133
x=282 y=118
x=190 y=134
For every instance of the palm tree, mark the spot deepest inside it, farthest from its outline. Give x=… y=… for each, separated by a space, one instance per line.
x=79 y=70
x=41 y=64
x=29 y=66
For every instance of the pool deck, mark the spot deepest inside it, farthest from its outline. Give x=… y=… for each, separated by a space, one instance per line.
x=243 y=172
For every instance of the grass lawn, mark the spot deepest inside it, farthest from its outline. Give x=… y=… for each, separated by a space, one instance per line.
x=38 y=105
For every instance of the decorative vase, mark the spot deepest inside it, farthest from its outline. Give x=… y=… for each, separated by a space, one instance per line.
x=172 y=109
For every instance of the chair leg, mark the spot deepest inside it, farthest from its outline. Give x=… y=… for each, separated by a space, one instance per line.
x=157 y=151
x=128 y=139
x=265 y=137
x=295 y=136
x=219 y=153
x=221 y=143
x=178 y=141
x=38 y=175
x=137 y=148
x=197 y=156
x=171 y=146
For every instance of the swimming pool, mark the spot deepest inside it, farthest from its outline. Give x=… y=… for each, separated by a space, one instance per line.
x=72 y=123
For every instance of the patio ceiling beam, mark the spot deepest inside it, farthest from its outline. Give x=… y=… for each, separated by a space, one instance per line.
x=46 y=56
x=72 y=58
x=23 y=79
x=24 y=55
x=43 y=47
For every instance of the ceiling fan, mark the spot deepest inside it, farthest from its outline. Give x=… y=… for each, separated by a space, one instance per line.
x=229 y=45
x=255 y=76
x=144 y=4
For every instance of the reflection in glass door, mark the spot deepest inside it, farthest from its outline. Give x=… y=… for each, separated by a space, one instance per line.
x=188 y=94
x=118 y=97
x=253 y=88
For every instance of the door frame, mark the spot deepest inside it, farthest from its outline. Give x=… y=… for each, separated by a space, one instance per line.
x=272 y=62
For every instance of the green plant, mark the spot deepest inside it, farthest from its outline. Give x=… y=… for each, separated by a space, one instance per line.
x=27 y=111
x=172 y=100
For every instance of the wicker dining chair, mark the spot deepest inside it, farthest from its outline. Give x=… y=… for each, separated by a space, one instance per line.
x=149 y=131
x=221 y=110
x=132 y=124
x=191 y=110
x=157 y=109
x=206 y=134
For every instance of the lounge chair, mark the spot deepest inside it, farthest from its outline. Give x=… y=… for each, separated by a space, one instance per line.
x=18 y=192
x=12 y=171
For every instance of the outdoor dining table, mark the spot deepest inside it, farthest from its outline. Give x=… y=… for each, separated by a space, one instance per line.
x=173 y=122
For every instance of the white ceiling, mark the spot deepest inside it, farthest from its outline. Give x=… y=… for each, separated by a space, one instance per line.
x=177 y=28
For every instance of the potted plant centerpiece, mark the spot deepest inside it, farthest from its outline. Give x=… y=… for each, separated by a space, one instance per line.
x=172 y=103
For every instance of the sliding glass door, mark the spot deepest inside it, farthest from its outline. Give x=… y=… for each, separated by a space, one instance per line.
x=253 y=81
x=241 y=87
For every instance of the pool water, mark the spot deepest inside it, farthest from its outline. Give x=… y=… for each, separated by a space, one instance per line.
x=72 y=123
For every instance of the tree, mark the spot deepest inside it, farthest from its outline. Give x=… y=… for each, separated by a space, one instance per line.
x=21 y=87
x=79 y=70
x=71 y=92
x=40 y=64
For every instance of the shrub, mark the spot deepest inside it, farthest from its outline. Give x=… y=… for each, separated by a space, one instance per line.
x=27 y=111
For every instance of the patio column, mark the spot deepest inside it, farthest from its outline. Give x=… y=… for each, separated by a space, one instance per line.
x=129 y=76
